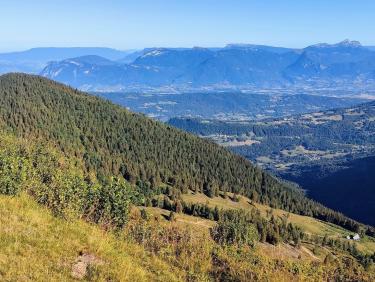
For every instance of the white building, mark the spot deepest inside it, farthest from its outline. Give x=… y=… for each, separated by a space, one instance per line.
x=355 y=237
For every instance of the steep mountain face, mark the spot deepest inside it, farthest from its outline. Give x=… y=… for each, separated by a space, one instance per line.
x=240 y=66
x=237 y=66
x=153 y=67
x=85 y=70
x=34 y=60
x=346 y=60
x=169 y=65
x=111 y=141
x=131 y=57
x=174 y=58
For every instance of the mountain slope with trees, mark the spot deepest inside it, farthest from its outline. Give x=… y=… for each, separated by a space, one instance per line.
x=328 y=153
x=46 y=194
x=111 y=141
x=42 y=162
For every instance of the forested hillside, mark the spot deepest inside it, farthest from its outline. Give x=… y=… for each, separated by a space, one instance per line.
x=328 y=153
x=220 y=236
x=112 y=141
x=48 y=196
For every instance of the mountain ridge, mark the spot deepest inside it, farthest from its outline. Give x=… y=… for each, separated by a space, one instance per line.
x=240 y=66
x=35 y=59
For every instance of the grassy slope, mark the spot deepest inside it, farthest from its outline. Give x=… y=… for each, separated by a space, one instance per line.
x=283 y=251
x=35 y=246
x=308 y=224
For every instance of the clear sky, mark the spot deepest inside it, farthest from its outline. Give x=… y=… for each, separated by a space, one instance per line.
x=184 y=23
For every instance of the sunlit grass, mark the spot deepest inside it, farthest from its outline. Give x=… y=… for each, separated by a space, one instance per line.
x=35 y=246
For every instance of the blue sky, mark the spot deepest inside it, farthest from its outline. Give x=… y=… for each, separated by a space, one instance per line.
x=141 y=23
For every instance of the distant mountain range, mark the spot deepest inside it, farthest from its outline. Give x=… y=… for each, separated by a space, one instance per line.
x=347 y=64
x=36 y=59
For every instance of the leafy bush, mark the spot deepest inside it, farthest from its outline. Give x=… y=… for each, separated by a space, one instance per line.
x=233 y=228
x=12 y=172
x=112 y=203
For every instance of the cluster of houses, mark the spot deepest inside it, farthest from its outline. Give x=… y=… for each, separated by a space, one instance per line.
x=354 y=237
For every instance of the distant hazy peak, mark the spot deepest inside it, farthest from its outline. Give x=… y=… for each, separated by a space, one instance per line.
x=89 y=59
x=348 y=42
x=344 y=43
x=240 y=45
x=155 y=52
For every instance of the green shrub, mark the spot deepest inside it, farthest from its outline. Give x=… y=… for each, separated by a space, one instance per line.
x=12 y=173
x=233 y=228
x=60 y=184
x=113 y=202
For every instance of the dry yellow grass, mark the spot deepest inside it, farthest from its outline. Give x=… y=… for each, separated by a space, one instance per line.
x=282 y=251
x=35 y=246
x=193 y=222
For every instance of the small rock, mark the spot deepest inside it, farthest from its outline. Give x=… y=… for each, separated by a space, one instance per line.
x=79 y=268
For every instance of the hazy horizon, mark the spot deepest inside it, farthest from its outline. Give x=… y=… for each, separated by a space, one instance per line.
x=128 y=25
x=198 y=46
